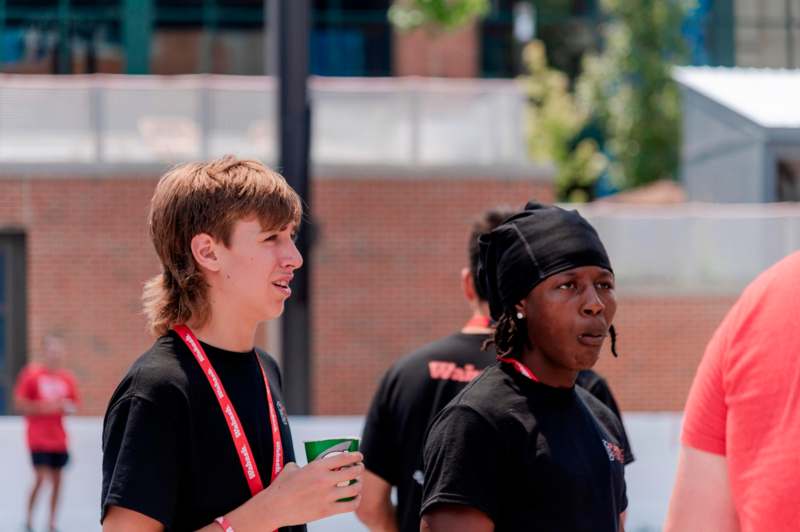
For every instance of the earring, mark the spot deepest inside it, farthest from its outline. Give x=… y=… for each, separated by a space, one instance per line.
x=520 y=316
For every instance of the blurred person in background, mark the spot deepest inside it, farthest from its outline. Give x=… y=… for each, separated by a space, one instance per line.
x=411 y=393
x=196 y=435
x=45 y=391
x=522 y=447
x=739 y=464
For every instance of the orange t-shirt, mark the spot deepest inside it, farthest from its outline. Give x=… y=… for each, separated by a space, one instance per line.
x=37 y=383
x=745 y=400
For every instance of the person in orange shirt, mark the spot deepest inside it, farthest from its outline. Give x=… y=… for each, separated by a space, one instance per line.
x=44 y=393
x=738 y=468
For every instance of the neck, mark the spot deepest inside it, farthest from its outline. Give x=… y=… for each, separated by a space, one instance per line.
x=226 y=330
x=478 y=324
x=547 y=372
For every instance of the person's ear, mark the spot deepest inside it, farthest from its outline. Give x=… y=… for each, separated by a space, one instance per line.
x=204 y=251
x=521 y=310
x=468 y=285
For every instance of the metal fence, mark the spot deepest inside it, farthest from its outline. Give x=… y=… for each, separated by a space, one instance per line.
x=401 y=122
x=694 y=248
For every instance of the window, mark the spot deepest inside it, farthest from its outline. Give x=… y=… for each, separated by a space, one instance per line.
x=568 y=28
x=350 y=38
x=788 y=173
x=12 y=314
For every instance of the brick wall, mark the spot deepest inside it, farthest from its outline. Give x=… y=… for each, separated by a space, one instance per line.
x=87 y=257
x=660 y=343
x=451 y=54
x=386 y=275
x=385 y=280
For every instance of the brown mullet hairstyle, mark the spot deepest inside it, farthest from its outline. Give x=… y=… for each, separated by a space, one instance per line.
x=206 y=197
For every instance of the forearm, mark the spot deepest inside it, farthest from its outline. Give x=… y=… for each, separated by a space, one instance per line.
x=382 y=518
x=376 y=510
x=701 y=499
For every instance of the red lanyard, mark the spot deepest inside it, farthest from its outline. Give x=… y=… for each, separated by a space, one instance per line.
x=231 y=417
x=521 y=368
x=479 y=321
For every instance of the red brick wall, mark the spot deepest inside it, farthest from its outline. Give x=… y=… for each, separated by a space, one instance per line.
x=88 y=256
x=385 y=280
x=386 y=274
x=660 y=343
x=451 y=54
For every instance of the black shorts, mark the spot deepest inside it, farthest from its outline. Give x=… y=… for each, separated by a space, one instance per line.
x=51 y=460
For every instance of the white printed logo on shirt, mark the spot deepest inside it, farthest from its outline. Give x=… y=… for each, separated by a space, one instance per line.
x=51 y=388
x=615 y=452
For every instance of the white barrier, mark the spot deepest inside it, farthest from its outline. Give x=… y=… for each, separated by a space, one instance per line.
x=654 y=437
x=394 y=122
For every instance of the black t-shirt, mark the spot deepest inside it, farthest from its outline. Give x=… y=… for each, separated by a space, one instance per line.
x=530 y=456
x=596 y=385
x=167 y=449
x=411 y=393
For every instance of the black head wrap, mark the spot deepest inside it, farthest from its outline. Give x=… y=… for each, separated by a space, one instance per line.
x=529 y=247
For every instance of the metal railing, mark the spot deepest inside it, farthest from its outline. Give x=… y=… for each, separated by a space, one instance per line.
x=693 y=248
x=388 y=122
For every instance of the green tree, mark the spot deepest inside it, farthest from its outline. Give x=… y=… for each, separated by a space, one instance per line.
x=436 y=14
x=626 y=93
x=555 y=120
x=630 y=89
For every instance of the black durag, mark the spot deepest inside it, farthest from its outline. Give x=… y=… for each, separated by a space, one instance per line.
x=529 y=247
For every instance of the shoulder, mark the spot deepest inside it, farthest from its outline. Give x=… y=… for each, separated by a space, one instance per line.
x=459 y=419
x=270 y=365
x=590 y=380
x=601 y=412
x=161 y=374
x=771 y=295
x=421 y=355
x=267 y=359
x=457 y=347
x=29 y=371
x=492 y=394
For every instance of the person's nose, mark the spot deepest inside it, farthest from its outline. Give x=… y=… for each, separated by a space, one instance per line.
x=292 y=259
x=592 y=304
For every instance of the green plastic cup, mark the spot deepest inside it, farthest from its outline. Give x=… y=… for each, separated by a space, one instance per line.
x=321 y=449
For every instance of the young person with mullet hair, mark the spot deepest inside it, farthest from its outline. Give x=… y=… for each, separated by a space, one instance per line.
x=195 y=436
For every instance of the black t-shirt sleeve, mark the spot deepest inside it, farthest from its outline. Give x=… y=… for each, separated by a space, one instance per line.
x=462 y=462
x=140 y=459
x=600 y=389
x=381 y=455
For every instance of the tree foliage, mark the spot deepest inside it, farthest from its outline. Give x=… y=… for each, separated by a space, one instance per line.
x=626 y=91
x=631 y=88
x=436 y=14
x=555 y=119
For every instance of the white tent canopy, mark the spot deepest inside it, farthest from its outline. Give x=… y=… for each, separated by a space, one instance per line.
x=741 y=134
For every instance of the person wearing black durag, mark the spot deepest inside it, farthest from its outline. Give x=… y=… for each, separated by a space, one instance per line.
x=522 y=448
